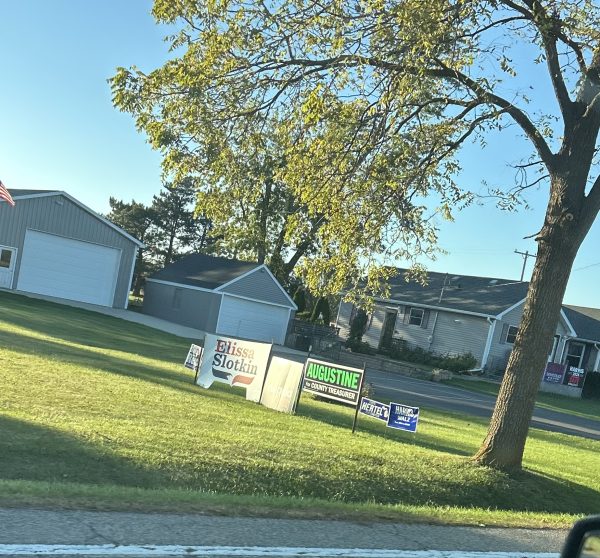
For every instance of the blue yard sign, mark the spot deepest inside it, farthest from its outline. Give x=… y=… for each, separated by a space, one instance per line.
x=374 y=409
x=403 y=417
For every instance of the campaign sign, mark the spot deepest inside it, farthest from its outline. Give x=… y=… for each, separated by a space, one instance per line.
x=192 y=361
x=332 y=381
x=374 y=409
x=235 y=362
x=575 y=377
x=554 y=373
x=403 y=417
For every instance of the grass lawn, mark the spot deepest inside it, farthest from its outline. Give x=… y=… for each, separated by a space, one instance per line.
x=99 y=413
x=587 y=408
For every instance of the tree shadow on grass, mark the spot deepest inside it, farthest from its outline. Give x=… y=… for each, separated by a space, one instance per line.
x=90 y=328
x=38 y=453
x=342 y=416
x=95 y=361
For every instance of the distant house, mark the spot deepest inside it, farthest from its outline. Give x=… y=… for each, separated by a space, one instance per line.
x=220 y=295
x=456 y=315
x=51 y=244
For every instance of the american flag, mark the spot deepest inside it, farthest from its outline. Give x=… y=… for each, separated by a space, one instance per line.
x=5 y=194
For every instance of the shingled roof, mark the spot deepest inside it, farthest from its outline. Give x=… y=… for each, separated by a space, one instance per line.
x=585 y=321
x=467 y=293
x=207 y=272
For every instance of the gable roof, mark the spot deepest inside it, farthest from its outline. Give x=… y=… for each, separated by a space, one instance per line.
x=464 y=293
x=18 y=194
x=585 y=321
x=206 y=272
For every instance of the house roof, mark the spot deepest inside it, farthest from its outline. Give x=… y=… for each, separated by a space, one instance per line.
x=207 y=272
x=482 y=295
x=24 y=194
x=585 y=321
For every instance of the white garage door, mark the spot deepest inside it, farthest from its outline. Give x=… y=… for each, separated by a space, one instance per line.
x=252 y=320
x=66 y=268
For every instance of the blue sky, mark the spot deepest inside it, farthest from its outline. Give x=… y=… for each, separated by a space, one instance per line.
x=59 y=130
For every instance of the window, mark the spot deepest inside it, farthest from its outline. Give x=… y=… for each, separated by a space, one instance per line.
x=416 y=316
x=574 y=354
x=511 y=334
x=5 y=258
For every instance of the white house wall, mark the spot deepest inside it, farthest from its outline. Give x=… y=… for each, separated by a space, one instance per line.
x=58 y=215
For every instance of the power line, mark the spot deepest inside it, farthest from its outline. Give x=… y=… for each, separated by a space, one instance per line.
x=587 y=266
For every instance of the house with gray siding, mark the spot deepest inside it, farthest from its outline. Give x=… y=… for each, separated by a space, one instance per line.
x=51 y=244
x=455 y=315
x=221 y=295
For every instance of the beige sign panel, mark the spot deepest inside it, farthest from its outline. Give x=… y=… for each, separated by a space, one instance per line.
x=282 y=385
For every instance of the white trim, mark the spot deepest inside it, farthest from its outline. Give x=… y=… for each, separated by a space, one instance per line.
x=597 y=357
x=257 y=300
x=263 y=266
x=400 y=302
x=135 y=253
x=509 y=309
x=250 y=551
x=173 y=284
x=13 y=263
x=572 y=331
x=85 y=208
x=488 y=342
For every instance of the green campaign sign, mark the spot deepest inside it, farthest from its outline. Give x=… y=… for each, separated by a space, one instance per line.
x=332 y=381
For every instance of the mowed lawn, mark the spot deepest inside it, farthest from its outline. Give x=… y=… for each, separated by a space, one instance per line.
x=98 y=412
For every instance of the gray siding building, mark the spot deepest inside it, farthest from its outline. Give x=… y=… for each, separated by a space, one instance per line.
x=456 y=315
x=51 y=244
x=220 y=295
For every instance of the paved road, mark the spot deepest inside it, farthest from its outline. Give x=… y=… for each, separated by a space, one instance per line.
x=107 y=528
x=410 y=391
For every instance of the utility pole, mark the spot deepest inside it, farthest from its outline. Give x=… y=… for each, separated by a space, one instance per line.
x=525 y=255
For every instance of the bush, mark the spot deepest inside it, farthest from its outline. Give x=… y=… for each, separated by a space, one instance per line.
x=591 y=387
x=300 y=300
x=358 y=346
x=401 y=351
x=321 y=309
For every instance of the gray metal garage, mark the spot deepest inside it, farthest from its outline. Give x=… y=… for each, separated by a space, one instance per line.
x=52 y=244
x=219 y=295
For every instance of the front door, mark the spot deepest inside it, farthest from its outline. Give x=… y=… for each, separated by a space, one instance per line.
x=387 y=331
x=8 y=257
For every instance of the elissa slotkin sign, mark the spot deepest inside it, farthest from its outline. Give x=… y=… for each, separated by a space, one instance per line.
x=332 y=381
x=235 y=362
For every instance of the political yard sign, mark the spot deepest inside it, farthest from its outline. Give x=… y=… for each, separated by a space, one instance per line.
x=192 y=361
x=235 y=362
x=374 y=409
x=333 y=381
x=403 y=417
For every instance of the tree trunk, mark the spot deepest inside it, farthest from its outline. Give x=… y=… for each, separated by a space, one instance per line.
x=558 y=243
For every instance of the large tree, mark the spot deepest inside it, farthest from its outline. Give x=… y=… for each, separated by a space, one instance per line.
x=377 y=96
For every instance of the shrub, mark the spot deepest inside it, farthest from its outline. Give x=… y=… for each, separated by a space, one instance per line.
x=591 y=387
x=300 y=300
x=358 y=346
x=401 y=351
x=321 y=309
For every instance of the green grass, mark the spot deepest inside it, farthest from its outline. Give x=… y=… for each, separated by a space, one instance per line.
x=100 y=413
x=587 y=408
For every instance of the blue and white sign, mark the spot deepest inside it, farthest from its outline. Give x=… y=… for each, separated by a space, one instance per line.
x=403 y=417
x=374 y=409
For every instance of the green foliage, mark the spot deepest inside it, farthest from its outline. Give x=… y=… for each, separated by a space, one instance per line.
x=300 y=300
x=321 y=311
x=358 y=325
x=358 y=346
x=459 y=363
x=591 y=388
x=100 y=426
